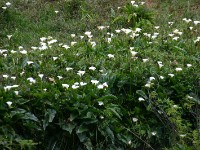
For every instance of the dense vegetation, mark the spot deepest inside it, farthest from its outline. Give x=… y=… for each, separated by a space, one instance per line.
x=81 y=74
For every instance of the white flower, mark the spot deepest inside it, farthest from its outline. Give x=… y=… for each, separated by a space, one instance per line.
x=66 y=46
x=189 y=65
x=8 y=4
x=5 y=76
x=31 y=80
x=100 y=86
x=22 y=73
x=141 y=99
x=133 y=53
x=13 y=78
x=153 y=133
x=65 y=86
x=81 y=37
x=171 y=75
x=145 y=60
x=110 y=55
x=148 y=85
x=69 y=68
x=55 y=58
x=132 y=2
x=52 y=41
x=93 y=43
x=175 y=38
x=182 y=135
x=83 y=83
x=151 y=78
x=189 y=97
x=160 y=64
x=7 y=88
x=109 y=40
x=9 y=36
x=100 y=103
x=45 y=90
x=23 y=52
x=12 y=51
x=92 y=68
x=4 y=8
x=16 y=92
x=73 y=43
x=80 y=73
x=59 y=77
x=88 y=33
x=95 y=82
x=178 y=69
x=9 y=103
x=56 y=11
x=105 y=84
x=75 y=86
x=129 y=142
x=171 y=35
x=41 y=76
x=117 y=31
x=101 y=27
x=73 y=35
x=190 y=28
x=138 y=29
x=30 y=62
x=43 y=39
x=196 y=22
x=161 y=77
x=134 y=119
x=157 y=27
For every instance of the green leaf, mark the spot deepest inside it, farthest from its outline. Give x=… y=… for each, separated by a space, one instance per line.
x=81 y=129
x=110 y=133
x=141 y=93
x=68 y=127
x=50 y=113
x=29 y=116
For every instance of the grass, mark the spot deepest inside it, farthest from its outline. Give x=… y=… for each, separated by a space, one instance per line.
x=142 y=93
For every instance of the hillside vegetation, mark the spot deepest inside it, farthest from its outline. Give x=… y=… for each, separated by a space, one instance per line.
x=102 y=75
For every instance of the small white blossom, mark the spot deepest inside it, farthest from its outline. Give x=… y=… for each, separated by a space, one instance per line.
x=134 y=119
x=141 y=99
x=16 y=92
x=83 y=83
x=8 y=4
x=153 y=133
x=9 y=103
x=30 y=62
x=196 y=22
x=100 y=86
x=81 y=73
x=73 y=35
x=13 y=78
x=171 y=75
x=189 y=65
x=65 y=86
x=95 y=82
x=151 y=78
x=59 y=77
x=75 y=86
x=55 y=58
x=41 y=76
x=105 y=84
x=178 y=69
x=69 y=68
x=161 y=77
x=110 y=55
x=100 y=103
x=92 y=68
x=145 y=60
x=5 y=76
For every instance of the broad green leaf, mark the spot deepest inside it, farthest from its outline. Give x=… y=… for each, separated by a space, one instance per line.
x=68 y=127
x=81 y=129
